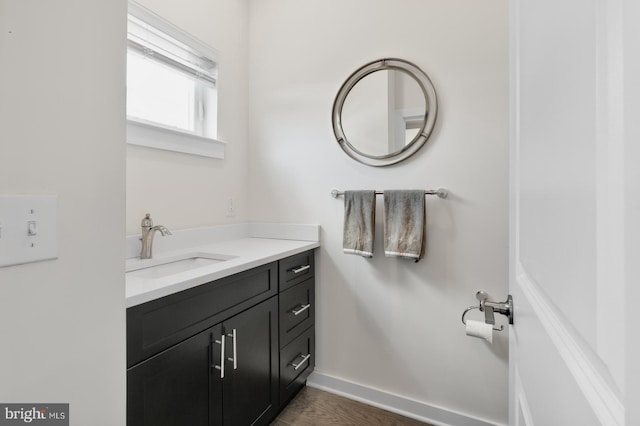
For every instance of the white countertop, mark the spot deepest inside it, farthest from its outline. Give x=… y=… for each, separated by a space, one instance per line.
x=246 y=251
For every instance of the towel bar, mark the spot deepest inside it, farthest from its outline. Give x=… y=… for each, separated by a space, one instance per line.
x=440 y=192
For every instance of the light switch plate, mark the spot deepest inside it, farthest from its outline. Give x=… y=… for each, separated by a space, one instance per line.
x=28 y=228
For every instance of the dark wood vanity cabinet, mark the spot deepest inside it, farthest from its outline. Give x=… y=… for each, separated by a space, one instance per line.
x=230 y=352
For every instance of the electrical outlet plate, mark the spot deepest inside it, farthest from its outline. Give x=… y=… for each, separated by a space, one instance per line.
x=230 y=209
x=28 y=228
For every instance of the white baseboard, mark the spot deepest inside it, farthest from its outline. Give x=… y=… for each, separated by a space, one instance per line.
x=395 y=403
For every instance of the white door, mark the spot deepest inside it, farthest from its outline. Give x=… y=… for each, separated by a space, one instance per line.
x=572 y=206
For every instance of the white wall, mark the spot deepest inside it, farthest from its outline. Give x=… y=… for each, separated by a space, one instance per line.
x=62 y=132
x=184 y=191
x=381 y=323
x=386 y=323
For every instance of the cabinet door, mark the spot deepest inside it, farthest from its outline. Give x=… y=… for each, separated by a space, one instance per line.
x=175 y=387
x=250 y=386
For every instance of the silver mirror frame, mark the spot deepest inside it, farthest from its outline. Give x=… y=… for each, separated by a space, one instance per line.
x=428 y=123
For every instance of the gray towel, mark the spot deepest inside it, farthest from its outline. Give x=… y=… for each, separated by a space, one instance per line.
x=359 y=222
x=404 y=220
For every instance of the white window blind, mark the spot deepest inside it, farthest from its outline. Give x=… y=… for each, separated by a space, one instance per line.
x=154 y=44
x=171 y=87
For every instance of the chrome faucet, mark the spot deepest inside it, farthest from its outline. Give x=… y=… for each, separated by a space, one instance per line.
x=148 y=231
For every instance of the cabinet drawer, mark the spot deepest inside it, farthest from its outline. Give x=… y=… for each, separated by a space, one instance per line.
x=295 y=269
x=297 y=360
x=160 y=324
x=297 y=307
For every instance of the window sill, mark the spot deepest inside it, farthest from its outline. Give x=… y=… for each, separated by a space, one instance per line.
x=153 y=136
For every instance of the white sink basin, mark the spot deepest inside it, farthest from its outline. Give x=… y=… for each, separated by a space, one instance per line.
x=171 y=265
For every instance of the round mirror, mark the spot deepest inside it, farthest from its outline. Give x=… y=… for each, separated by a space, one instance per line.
x=386 y=117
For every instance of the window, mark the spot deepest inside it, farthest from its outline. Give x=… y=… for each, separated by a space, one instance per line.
x=171 y=87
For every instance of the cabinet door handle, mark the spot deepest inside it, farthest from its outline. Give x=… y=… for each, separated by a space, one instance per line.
x=304 y=359
x=221 y=366
x=300 y=269
x=302 y=308
x=233 y=335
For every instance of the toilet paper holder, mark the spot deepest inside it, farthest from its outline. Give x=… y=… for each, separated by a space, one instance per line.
x=490 y=307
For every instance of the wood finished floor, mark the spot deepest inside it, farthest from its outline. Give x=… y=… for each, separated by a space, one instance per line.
x=313 y=407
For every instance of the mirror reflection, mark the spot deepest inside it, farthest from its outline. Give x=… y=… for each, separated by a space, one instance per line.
x=383 y=113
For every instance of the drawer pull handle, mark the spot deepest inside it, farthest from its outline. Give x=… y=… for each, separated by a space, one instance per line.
x=233 y=335
x=300 y=269
x=305 y=358
x=302 y=308
x=221 y=366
